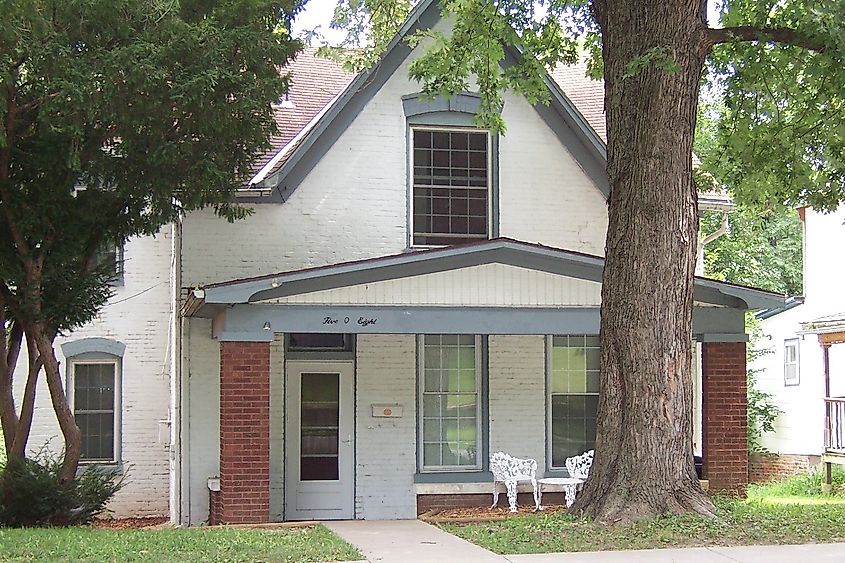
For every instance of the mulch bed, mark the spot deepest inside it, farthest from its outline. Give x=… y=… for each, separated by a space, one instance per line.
x=471 y=514
x=131 y=523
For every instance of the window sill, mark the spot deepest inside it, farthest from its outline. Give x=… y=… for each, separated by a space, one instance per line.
x=116 y=466
x=555 y=473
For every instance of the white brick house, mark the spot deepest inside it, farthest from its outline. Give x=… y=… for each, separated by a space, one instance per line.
x=338 y=354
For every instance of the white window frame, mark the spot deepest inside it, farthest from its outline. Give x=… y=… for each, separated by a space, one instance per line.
x=118 y=403
x=447 y=129
x=479 y=430
x=791 y=343
x=549 y=394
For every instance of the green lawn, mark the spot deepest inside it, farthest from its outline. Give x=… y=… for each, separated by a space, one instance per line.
x=163 y=546
x=738 y=523
x=806 y=487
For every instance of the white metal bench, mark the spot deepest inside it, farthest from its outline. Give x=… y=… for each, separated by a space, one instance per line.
x=510 y=471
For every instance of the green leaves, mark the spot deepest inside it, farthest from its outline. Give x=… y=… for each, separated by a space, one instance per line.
x=494 y=47
x=154 y=108
x=781 y=127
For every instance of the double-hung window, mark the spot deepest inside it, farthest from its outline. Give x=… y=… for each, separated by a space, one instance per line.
x=791 y=375
x=451 y=183
x=450 y=379
x=95 y=400
x=573 y=396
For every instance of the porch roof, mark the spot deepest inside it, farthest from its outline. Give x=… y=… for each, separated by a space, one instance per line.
x=829 y=328
x=504 y=251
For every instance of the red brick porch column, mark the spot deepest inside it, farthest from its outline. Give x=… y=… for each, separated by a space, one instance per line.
x=244 y=495
x=724 y=421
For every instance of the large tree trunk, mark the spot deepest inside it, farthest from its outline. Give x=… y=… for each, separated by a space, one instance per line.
x=644 y=453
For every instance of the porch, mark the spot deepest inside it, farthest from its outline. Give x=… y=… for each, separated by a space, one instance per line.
x=440 y=357
x=830 y=331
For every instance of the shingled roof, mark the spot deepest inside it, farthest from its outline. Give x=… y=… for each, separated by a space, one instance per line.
x=315 y=81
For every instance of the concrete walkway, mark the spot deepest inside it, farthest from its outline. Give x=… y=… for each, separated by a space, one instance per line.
x=413 y=541
x=408 y=541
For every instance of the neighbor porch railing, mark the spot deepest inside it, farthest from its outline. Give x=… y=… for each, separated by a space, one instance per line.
x=834 y=432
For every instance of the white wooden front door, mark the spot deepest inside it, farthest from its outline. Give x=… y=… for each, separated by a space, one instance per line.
x=320 y=446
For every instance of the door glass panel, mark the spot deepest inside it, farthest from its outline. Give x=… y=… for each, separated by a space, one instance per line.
x=319 y=419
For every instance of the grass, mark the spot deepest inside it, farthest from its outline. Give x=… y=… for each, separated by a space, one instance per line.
x=738 y=523
x=169 y=545
x=806 y=487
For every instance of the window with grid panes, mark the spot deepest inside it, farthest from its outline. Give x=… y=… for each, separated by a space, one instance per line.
x=574 y=396
x=450 y=369
x=94 y=394
x=451 y=186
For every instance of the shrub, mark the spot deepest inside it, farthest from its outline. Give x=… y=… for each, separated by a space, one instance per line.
x=31 y=493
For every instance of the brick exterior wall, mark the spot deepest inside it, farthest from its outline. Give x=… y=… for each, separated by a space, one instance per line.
x=764 y=467
x=724 y=419
x=215 y=515
x=244 y=432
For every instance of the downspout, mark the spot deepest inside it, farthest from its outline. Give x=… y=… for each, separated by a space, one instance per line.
x=175 y=375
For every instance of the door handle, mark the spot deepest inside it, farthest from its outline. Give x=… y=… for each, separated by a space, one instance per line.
x=347 y=441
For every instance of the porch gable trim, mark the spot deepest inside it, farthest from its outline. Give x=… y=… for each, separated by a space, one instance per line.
x=501 y=250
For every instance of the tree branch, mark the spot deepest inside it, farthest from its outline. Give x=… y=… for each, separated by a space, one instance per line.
x=784 y=35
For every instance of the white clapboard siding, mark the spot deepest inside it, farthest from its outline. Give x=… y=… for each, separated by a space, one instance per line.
x=490 y=285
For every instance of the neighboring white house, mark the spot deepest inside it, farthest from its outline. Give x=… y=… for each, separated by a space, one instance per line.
x=792 y=370
x=411 y=294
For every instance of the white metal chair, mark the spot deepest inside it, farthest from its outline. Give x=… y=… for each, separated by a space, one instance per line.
x=579 y=465
x=510 y=471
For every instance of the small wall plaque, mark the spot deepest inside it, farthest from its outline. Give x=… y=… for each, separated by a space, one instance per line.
x=387 y=411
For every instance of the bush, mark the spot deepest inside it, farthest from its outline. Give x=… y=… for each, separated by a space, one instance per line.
x=31 y=493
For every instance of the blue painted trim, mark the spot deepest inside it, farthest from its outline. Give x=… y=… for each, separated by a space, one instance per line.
x=501 y=251
x=245 y=322
x=791 y=303
x=462 y=102
x=248 y=320
x=245 y=336
x=454 y=477
x=483 y=355
x=93 y=345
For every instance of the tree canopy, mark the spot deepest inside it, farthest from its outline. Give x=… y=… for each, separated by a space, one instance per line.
x=117 y=116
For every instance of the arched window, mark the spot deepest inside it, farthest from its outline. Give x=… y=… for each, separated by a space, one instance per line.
x=94 y=367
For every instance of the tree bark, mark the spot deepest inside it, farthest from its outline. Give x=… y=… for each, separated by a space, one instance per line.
x=21 y=437
x=70 y=431
x=644 y=453
x=8 y=412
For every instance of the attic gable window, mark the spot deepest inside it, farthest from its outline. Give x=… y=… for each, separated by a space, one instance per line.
x=451 y=186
